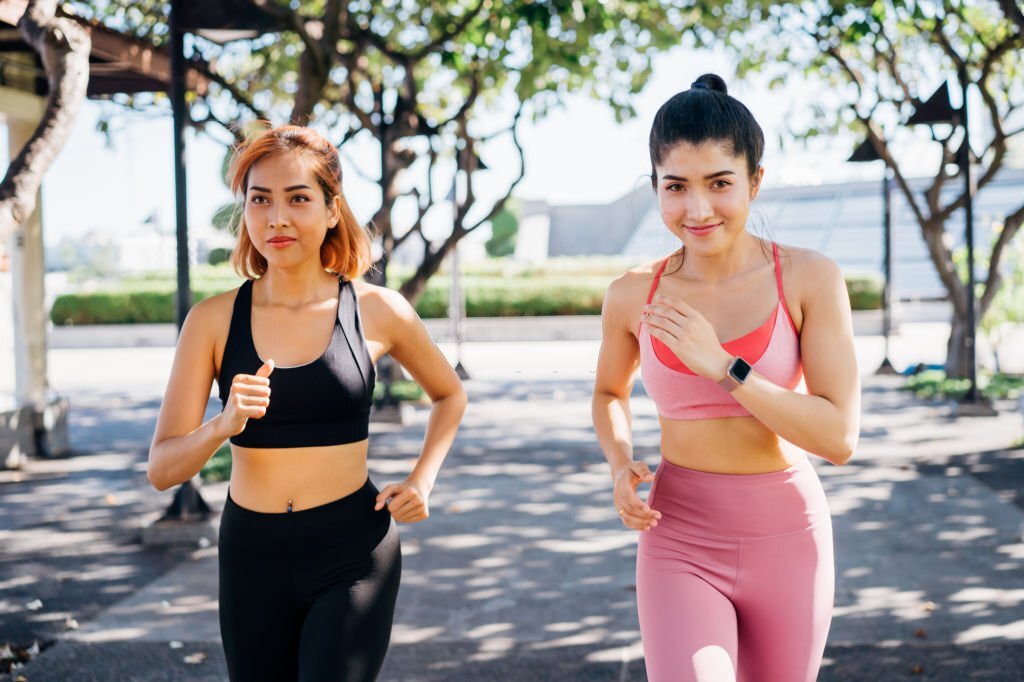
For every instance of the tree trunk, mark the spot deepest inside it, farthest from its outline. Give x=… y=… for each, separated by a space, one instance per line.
x=312 y=82
x=957 y=361
x=414 y=287
x=64 y=46
x=394 y=161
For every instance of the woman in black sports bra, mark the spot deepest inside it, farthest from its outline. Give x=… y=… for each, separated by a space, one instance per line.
x=309 y=554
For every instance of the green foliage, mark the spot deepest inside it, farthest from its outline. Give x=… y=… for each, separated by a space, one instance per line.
x=139 y=307
x=1007 y=306
x=225 y=218
x=502 y=299
x=865 y=291
x=934 y=384
x=504 y=227
x=219 y=255
x=493 y=288
x=401 y=390
x=218 y=467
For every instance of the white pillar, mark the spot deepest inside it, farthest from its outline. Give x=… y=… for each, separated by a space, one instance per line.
x=27 y=275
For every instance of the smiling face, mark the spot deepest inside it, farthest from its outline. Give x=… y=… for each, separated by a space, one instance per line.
x=704 y=194
x=286 y=213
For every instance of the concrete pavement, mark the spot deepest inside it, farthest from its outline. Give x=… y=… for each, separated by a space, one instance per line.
x=522 y=571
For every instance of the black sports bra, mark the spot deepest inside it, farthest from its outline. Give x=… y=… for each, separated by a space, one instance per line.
x=324 y=402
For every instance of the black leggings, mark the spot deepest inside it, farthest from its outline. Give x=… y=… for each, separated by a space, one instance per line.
x=308 y=595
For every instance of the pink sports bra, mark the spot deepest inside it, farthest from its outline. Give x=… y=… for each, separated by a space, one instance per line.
x=773 y=350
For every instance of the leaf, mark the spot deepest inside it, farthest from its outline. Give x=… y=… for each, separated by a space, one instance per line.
x=196 y=658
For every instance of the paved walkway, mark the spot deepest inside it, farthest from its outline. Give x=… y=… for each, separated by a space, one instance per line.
x=523 y=571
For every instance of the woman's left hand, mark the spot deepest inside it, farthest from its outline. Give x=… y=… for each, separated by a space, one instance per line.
x=407 y=501
x=688 y=334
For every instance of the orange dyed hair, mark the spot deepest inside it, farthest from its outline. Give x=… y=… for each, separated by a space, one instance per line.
x=346 y=248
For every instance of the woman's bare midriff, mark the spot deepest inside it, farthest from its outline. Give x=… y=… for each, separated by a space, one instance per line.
x=733 y=445
x=264 y=479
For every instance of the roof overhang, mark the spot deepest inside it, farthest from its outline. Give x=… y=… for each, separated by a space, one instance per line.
x=118 y=63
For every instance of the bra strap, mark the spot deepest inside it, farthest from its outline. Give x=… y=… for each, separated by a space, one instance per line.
x=351 y=328
x=782 y=294
x=657 y=278
x=778 y=270
x=241 y=312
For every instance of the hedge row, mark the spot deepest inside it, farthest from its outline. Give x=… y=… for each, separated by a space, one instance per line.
x=118 y=307
x=485 y=297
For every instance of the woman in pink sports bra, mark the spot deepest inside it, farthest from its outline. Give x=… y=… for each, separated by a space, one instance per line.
x=734 y=572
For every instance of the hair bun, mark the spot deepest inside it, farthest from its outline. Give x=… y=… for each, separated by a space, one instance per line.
x=710 y=81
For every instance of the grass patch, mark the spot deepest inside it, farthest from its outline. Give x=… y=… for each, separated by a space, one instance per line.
x=934 y=384
x=403 y=391
x=218 y=467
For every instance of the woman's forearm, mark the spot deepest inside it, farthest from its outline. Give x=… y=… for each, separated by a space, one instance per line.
x=810 y=422
x=176 y=460
x=613 y=426
x=445 y=416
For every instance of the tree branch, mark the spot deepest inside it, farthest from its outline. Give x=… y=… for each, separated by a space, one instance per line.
x=500 y=204
x=459 y=26
x=1011 y=225
x=242 y=98
x=1014 y=13
x=64 y=47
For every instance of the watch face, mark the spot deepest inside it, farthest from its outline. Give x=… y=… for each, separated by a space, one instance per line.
x=739 y=370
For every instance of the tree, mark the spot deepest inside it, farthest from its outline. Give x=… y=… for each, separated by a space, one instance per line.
x=1013 y=12
x=64 y=47
x=435 y=83
x=878 y=60
x=504 y=227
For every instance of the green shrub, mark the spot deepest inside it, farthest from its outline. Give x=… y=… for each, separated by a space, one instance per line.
x=489 y=293
x=865 y=291
x=934 y=384
x=219 y=255
x=109 y=307
x=403 y=390
x=218 y=467
x=508 y=300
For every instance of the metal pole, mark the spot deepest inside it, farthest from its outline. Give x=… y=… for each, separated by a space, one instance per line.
x=456 y=300
x=965 y=167
x=886 y=366
x=179 y=111
x=457 y=311
x=187 y=503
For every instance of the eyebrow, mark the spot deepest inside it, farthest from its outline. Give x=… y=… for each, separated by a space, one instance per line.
x=706 y=177
x=286 y=189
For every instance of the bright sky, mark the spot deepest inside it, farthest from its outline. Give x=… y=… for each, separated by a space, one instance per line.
x=577 y=154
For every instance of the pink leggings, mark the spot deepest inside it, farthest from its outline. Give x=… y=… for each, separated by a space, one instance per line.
x=737 y=579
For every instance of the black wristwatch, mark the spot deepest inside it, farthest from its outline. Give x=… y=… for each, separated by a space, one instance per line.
x=739 y=370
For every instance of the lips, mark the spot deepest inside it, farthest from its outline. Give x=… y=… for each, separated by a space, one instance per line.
x=280 y=242
x=701 y=230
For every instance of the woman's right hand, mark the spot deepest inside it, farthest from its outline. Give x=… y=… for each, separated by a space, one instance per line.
x=248 y=399
x=635 y=513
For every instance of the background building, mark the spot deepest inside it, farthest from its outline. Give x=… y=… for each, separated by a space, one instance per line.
x=843 y=221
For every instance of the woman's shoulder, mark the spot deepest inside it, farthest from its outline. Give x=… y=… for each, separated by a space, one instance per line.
x=213 y=312
x=629 y=290
x=381 y=302
x=806 y=265
x=809 y=275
